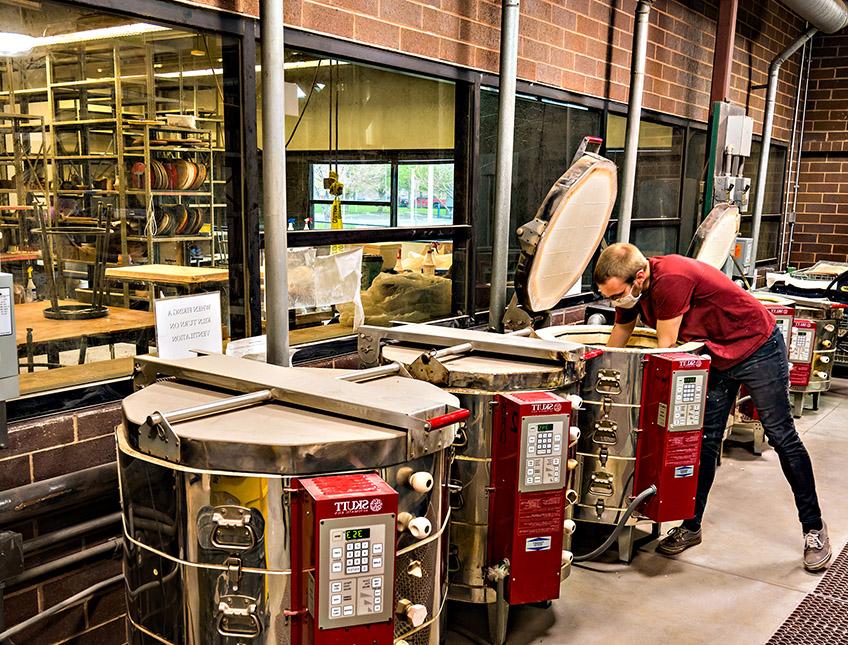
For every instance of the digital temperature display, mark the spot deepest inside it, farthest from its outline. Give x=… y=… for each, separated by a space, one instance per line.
x=690 y=379
x=544 y=427
x=357 y=534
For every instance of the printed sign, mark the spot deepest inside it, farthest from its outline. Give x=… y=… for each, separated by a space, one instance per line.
x=5 y=311
x=538 y=543
x=188 y=324
x=684 y=471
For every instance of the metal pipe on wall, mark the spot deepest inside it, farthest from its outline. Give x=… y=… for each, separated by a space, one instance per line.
x=828 y=16
x=634 y=116
x=32 y=500
x=274 y=182
x=503 y=171
x=765 y=147
x=796 y=113
x=797 y=184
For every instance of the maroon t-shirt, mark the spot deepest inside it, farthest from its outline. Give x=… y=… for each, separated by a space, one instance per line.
x=731 y=322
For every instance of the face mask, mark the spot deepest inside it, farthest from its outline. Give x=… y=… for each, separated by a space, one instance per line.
x=627 y=301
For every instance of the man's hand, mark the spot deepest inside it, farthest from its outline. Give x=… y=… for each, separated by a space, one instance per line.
x=667 y=332
x=620 y=334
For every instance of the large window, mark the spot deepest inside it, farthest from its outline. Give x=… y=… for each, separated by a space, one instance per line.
x=547 y=134
x=773 y=202
x=655 y=227
x=117 y=181
x=379 y=194
x=388 y=138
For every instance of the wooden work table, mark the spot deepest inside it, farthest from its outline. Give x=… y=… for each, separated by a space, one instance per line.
x=52 y=336
x=168 y=274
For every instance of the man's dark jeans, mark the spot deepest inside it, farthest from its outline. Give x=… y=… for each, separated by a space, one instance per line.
x=765 y=374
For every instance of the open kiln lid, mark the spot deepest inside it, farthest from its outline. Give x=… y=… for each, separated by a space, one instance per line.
x=716 y=235
x=559 y=242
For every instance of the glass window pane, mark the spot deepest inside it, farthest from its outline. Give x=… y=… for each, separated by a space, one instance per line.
x=425 y=194
x=547 y=135
x=773 y=202
x=658 y=165
x=655 y=240
x=363 y=182
x=769 y=234
x=359 y=116
x=400 y=281
x=392 y=136
x=353 y=216
x=124 y=136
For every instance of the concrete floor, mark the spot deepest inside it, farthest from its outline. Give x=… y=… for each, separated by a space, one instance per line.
x=736 y=587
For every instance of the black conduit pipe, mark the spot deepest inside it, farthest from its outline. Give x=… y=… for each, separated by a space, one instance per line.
x=112 y=546
x=55 y=537
x=32 y=500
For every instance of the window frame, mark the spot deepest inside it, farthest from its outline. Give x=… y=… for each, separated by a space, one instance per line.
x=394 y=159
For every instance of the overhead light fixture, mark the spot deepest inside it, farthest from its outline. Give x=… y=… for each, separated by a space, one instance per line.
x=106 y=33
x=319 y=86
x=300 y=93
x=12 y=44
x=199 y=48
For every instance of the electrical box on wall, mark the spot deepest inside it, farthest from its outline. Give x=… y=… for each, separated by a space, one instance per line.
x=9 y=380
x=742 y=256
x=738 y=134
x=343 y=545
x=527 y=500
x=668 y=451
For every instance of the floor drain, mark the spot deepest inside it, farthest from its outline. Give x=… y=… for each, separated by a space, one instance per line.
x=822 y=617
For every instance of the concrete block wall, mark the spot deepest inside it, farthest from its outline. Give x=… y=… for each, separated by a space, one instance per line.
x=822 y=225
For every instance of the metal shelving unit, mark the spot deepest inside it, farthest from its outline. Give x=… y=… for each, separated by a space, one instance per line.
x=155 y=199
x=84 y=106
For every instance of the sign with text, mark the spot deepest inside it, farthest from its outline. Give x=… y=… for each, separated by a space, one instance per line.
x=188 y=324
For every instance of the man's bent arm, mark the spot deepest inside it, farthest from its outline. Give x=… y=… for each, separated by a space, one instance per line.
x=620 y=334
x=667 y=332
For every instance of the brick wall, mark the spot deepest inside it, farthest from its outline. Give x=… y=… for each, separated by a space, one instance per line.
x=822 y=226
x=580 y=45
x=47 y=447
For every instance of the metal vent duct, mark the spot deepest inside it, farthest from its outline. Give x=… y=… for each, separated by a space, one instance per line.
x=828 y=16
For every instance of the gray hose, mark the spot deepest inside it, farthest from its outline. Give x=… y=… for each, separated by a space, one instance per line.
x=631 y=508
x=55 y=609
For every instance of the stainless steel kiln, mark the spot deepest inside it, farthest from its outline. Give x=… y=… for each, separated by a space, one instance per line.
x=482 y=367
x=224 y=461
x=812 y=349
x=609 y=422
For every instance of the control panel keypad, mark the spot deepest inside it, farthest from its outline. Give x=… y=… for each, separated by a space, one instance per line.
x=356 y=571
x=688 y=400
x=801 y=348
x=543 y=453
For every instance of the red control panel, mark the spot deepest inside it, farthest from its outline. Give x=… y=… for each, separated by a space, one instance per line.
x=343 y=550
x=668 y=449
x=783 y=317
x=527 y=503
x=801 y=348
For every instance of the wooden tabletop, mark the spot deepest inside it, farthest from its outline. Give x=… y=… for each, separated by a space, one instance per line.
x=19 y=256
x=168 y=274
x=45 y=330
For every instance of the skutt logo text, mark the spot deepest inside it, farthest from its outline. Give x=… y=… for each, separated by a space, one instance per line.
x=351 y=507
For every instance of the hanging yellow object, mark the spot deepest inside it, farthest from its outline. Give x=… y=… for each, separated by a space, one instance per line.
x=335 y=188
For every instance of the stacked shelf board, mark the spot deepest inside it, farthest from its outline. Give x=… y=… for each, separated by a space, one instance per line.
x=90 y=99
x=23 y=176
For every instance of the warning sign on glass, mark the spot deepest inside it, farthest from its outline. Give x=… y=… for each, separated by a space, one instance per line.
x=187 y=325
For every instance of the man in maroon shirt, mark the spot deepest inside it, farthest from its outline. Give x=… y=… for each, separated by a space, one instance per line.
x=687 y=300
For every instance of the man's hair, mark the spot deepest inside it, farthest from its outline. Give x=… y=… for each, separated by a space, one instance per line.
x=621 y=261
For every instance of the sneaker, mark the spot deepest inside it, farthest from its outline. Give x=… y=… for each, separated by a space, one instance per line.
x=678 y=540
x=816 y=549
